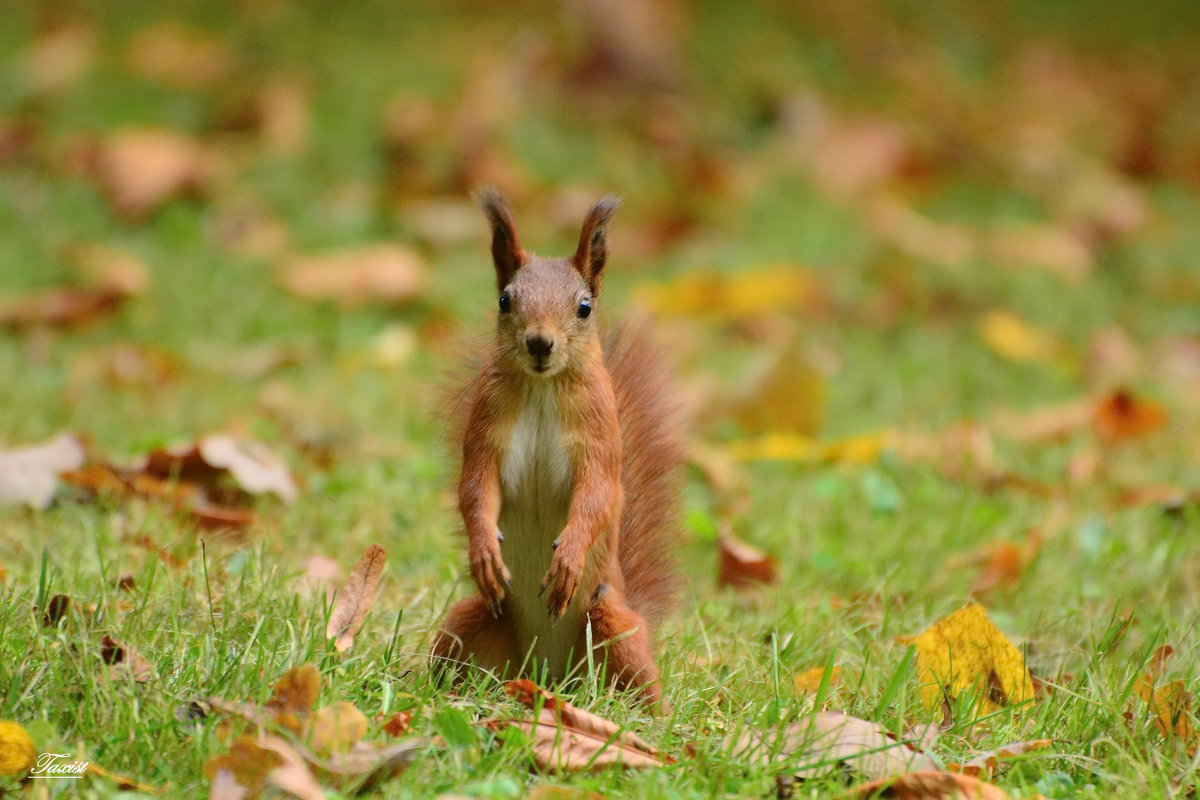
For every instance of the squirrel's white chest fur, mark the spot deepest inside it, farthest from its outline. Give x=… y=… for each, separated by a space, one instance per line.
x=536 y=483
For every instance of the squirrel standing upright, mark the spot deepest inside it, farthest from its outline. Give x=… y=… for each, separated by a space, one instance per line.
x=569 y=483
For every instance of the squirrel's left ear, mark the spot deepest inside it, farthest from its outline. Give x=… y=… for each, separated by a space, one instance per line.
x=592 y=252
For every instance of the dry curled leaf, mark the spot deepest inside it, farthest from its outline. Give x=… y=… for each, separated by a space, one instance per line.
x=30 y=475
x=398 y=723
x=336 y=727
x=569 y=739
x=827 y=742
x=965 y=652
x=56 y=609
x=384 y=273
x=122 y=782
x=931 y=785
x=216 y=458
x=354 y=599
x=743 y=565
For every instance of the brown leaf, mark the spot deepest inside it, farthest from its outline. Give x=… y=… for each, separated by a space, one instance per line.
x=248 y=462
x=985 y=764
x=1122 y=416
x=397 y=724
x=139 y=169
x=810 y=680
x=277 y=113
x=179 y=56
x=61 y=307
x=124 y=660
x=295 y=693
x=354 y=600
x=122 y=782
x=254 y=763
x=56 y=609
x=110 y=268
x=931 y=785
x=1054 y=249
x=384 y=273
x=743 y=565
x=826 y=741
x=29 y=475
x=569 y=739
x=291 y=775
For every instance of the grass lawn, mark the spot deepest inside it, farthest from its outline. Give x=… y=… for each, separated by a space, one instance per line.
x=781 y=152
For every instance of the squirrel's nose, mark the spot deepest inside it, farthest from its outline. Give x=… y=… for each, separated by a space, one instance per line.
x=539 y=346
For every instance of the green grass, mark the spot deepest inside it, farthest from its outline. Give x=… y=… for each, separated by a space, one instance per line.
x=226 y=615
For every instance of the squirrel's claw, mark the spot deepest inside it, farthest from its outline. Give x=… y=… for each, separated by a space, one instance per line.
x=563 y=580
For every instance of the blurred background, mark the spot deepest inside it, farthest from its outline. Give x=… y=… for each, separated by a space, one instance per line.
x=945 y=233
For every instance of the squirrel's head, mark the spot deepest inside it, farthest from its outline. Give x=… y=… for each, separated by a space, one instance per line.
x=546 y=304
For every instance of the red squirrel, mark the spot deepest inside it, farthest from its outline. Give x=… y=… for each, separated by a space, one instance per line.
x=568 y=490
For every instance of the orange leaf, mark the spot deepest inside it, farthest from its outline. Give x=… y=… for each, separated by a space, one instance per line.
x=931 y=785
x=1122 y=416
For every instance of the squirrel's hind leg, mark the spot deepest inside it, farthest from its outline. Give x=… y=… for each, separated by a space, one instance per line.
x=621 y=638
x=471 y=635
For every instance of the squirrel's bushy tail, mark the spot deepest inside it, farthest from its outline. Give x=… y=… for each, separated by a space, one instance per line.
x=653 y=451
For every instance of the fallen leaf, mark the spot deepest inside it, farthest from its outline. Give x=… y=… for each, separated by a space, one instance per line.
x=788 y=397
x=224 y=786
x=919 y=237
x=1122 y=416
x=931 y=785
x=139 y=169
x=59 y=56
x=986 y=764
x=124 y=660
x=208 y=462
x=290 y=774
x=320 y=573
x=729 y=296
x=828 y=740
x=294 y=695
x=277 y=113
x=852 y=450
x=384 y=273
x=569 y=739
x=60 y=307
x=811 y=679
x=336 y=727
x=122 y=782
x=354 y=600
x=965 y=651
x=30 y=475
x=17 y=752
x=397 y=724
x=248 y=762
x=179 y=56
x=1015 y=339
x=1054 y=249
x=743 y=565
x=1006 y=563
x=56 y=609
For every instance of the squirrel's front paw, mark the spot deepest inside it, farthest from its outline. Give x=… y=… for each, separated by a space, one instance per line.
x=562 y=579
x=491 y=575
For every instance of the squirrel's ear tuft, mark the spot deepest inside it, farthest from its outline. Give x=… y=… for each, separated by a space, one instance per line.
x=507 y=254
x=592 y=253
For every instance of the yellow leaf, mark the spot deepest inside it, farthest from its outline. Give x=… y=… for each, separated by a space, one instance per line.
x=965 y=651
x=810 y=679
x=336 y=727
x=729 y=296
x=863 y=448
x=1015 y=339
x=788 y=397
x=17 y=752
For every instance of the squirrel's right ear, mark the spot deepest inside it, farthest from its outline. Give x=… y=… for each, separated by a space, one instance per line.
x=506 y=248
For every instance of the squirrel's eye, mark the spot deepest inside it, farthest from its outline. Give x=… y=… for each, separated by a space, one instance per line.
x=505 y=303
x=585 y=308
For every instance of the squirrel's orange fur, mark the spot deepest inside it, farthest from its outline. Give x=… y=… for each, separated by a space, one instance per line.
x=568 y=490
